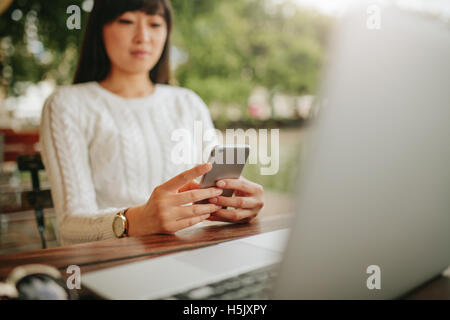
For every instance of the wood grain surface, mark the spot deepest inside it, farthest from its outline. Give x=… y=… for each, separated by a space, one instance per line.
x=101 y=254
x=104 y=254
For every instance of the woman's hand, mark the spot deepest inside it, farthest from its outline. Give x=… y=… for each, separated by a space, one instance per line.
x=247 y=201
x=166 y=210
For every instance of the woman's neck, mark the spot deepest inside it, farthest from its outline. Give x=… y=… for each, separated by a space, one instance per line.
x=128 y=85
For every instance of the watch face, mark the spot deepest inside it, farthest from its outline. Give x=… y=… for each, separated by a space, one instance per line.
x=118 y=226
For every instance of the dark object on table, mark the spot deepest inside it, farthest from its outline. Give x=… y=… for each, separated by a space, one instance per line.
x=36 y=282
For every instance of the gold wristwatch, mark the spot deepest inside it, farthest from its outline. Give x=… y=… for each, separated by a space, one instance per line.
x=120 y=224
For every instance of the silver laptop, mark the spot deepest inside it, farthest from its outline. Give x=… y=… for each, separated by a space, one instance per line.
x=373 y=212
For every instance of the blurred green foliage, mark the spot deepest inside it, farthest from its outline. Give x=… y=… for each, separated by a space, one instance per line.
x=232 y=46
x=235 y=45
x=288 y=170
x=38 y=46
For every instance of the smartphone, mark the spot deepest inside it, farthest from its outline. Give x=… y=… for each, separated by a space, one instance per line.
x=227 y=161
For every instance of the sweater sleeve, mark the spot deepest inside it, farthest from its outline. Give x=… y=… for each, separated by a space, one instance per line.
x=64 y=151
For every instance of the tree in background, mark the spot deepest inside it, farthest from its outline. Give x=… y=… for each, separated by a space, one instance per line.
x=36 y=45
x=235 y=45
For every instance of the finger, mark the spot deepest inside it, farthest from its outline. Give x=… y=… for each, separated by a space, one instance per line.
x=235 y=215
x=240 y=184
x=195 y=195
x=184 y=223
x=183 y=178
x=194 y=210
x=192 y=185
x=217 y=218
x=236 y=202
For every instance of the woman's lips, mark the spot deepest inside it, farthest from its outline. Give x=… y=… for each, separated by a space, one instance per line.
x=140 y=54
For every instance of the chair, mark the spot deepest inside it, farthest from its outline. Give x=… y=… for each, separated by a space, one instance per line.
x=37 y=199
x=22 y=148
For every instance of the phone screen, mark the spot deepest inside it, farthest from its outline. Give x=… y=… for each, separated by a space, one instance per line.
x=228 y=161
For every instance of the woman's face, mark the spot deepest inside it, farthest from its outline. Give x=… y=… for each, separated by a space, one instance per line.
x=135 y=41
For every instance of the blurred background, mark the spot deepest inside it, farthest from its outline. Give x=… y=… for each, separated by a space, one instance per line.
x=256 y=64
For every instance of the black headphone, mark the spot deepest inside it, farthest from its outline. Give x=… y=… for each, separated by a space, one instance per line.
x=36 y=282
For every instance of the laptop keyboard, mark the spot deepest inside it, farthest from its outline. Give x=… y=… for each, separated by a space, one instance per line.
x=256 y=284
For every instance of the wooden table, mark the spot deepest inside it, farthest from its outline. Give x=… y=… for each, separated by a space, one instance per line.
x=103 y=254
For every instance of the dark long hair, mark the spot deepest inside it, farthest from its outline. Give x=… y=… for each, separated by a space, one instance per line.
x=94 y=64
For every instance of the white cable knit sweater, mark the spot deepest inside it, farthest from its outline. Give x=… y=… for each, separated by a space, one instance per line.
x=103 y=153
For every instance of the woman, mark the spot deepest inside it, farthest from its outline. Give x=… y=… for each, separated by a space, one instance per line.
x=106 y=140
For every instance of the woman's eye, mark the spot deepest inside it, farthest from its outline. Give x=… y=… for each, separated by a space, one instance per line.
x=125 y=21
x=156 y=25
